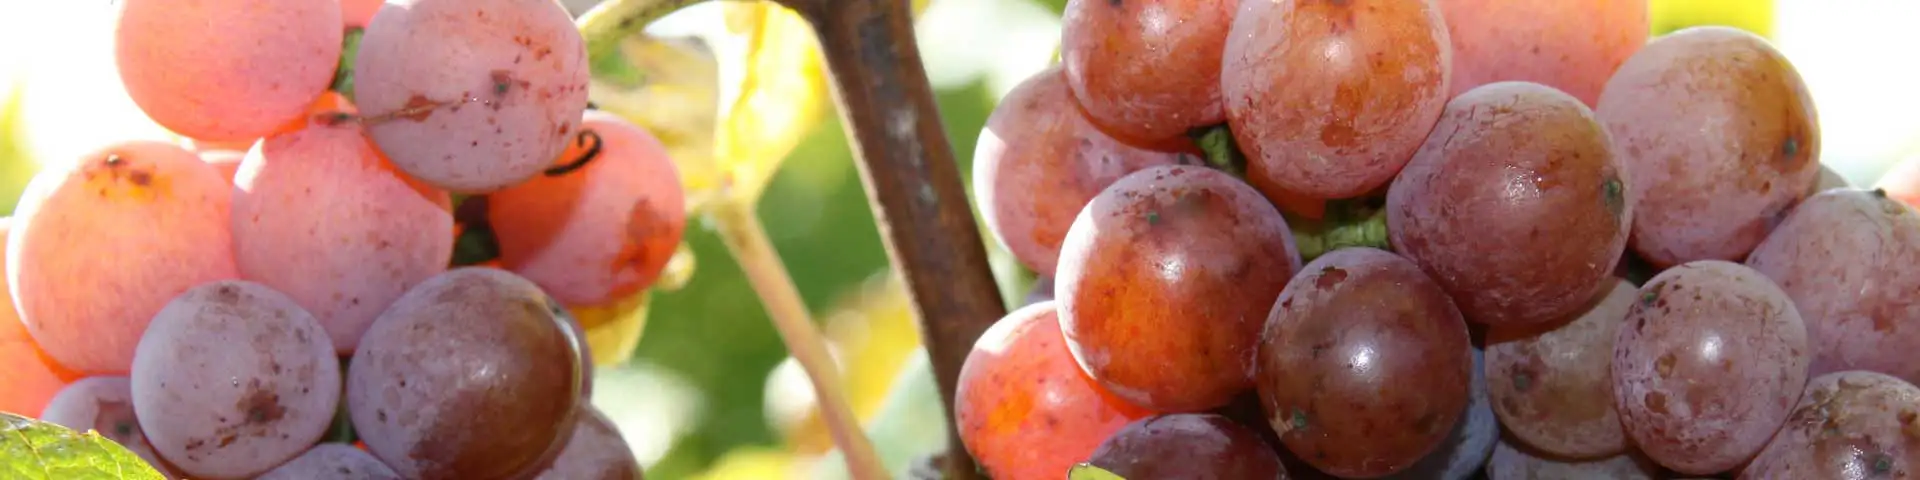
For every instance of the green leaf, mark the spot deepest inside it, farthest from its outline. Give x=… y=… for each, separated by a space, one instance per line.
x=1089 y=472
x=35 y=450
x=349 y=50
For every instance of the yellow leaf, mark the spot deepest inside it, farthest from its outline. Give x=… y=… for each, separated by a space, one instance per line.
x=1089 y=472
x=1751 y=15
x=613 y=330
x=750 y=463
x=873 y=327
x=674 y=93
x=780 y=98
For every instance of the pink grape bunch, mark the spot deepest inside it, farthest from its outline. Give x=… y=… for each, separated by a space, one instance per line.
x=361 y=263
x=1435 y=239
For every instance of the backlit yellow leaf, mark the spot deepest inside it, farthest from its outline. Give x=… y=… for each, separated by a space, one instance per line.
x=613 y=330
x=1751 y=15
x=780 y=98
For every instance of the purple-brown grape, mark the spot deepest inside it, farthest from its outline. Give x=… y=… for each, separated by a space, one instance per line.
x=1146 y=71
x=1189 y=446
x=1721 y=138
x=1552 y=384
x=1164 y=281
x=1850 y=424
x=596 y=452
x=1511 y=462
x=1329 y=99
x=1516 y=204
x=1364 y=366
x=1847 y=259
x=1039 y=162
x=332 y=461
x=1707 y=365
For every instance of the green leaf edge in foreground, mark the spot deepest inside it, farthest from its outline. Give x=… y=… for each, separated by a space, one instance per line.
x=35 y=450
x=1087 y=471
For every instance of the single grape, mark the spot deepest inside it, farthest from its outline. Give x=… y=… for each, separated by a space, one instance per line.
x=471 y=95
x=358 y=13
x=1710 y=188
x=1707 y=365
x=471 y=374
x=595 y=452
x=1146 y=71
x=226 y=70
x=1511 y=462
x=1902 y=182
x=233 y=379
x=1024 y=408
x=332 y=461
x=1570 y=46
x=603 y=232
x=227 y=162
x=1039 y=162
x=577 y=334
x=1164 y=279
x=1463 y=453
x=105 y=405
x=1330 y=99
x=1188 y=445
x=1849 y=424
x=1552 y=384
x=101 y=243
x=320 y=216
x=1516 y=205
x=1846 y=257
x=32 y=379
x=1364 y=365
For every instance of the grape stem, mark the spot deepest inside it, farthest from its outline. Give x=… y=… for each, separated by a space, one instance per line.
x=1348 y=223
x=747 y=239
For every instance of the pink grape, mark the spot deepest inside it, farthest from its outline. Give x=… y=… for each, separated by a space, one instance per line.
x=233 y=379
x=1570 y=46
x=322 y=217
x=103 y=404
x=358 y=13
x=471 y=96
x=1510 y=462
x=1721 y=138
x=1552 y=384
x=1846 y=257
x=1850 y=424
x=1707 y=365
x=101 y=243
x=31 y=378
x=332 y=461
x=1330 y=99
x=227 y=162
x=601 y=233
x=596 y=451
x=226 y=69
x=1146 y=71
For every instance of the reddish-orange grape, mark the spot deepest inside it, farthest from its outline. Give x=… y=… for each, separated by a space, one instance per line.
x=1164 y=282
x=1025 y=410
x=1146 y=71
x=1552 y=384
x=32 y=379
x=1847 y=259
x=1365 y=365
x=1851 y=424
x=1570 y=46
x=1721 y=138
x=1039 y=162
x=600 y=233
x=1707 y=366
x=1329 y=99
x=226 y=69
x=1516 y=204
x=1190 y=446
x=358 y=13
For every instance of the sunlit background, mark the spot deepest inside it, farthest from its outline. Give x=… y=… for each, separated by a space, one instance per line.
x=710 y=392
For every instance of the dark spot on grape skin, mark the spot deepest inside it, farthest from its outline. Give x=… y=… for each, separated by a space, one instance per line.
x=1115 y=3
x=1656 y=402
x=1664 y=365
x=1330 y=277
x=140 y=178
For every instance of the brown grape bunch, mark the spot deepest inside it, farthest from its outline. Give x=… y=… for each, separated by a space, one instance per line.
x=1444 y=239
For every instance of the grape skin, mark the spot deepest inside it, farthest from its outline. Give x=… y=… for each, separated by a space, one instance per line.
x=1829 y=180
x=1570 y=46
x=232 y=379
x=226 y=162
x=358 y=13
x=1190 y=446
x=1364 y=365
x=1024 y=409
x=1552 y=384
x=1707 y=365
x=31 y=378
x=1163 y=281
x=1464 y=451
x=101 y=243
x=1849 y=424
x=470 y=374
x=226 y=69
x=1515 y=204
x=1846 y=258
x=1146 y=71
x=472 y=96
x=320 y=216
x=1039 y=161
x=105 y=405
x=596 y=451
x=332 y=461
x=1330 y=99
x=599 y=234
x=1710 y=188
x=1516 y=463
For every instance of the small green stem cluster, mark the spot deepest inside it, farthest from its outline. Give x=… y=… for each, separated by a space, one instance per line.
x=1359 y=222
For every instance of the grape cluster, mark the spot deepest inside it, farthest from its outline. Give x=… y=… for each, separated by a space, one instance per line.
x=360 y=262
x=1435 y=239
